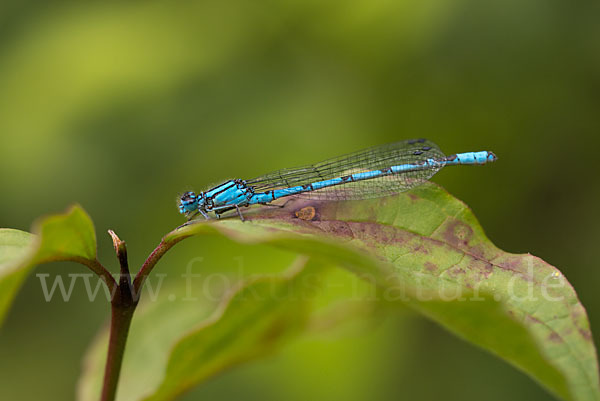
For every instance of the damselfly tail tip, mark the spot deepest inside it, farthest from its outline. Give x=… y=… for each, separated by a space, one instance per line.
x=492 y=157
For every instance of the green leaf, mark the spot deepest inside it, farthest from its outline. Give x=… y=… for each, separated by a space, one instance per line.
x=62 y=237
x=69 y=236
x=257 y=319
x=195 y=339
x=14 y=246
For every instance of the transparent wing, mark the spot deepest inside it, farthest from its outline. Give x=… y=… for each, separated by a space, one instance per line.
x=376 y=158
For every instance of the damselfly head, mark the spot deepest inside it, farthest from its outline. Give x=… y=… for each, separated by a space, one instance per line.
x=188 y=203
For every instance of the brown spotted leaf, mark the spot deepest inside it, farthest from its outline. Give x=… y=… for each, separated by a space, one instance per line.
x=426 y=249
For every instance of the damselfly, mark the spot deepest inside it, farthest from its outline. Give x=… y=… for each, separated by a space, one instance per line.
x=371 y=173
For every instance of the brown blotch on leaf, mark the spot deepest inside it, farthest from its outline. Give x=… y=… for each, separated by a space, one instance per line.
x=585 y=333
x=430 y=267
x=372 y=234
x=454 y=272
x=555 y=338
x=458 y=234
x=306 y=213
x=421 y=249
x=516 y=264
x=480 y=269
x=413 y=197
x=478 y=251
x=487 y=270
x=338 y=228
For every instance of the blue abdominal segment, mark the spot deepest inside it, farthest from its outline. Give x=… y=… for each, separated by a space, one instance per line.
x=460 y=158
x=470 y=158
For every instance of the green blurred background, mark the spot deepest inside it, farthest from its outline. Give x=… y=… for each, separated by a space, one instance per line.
x=122 y=105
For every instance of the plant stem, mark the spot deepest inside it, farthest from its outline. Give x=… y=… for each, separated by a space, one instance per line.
x=149 y=264
x=96 y=267
x=122 y=308
x=119 y=328
x=123 y=304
